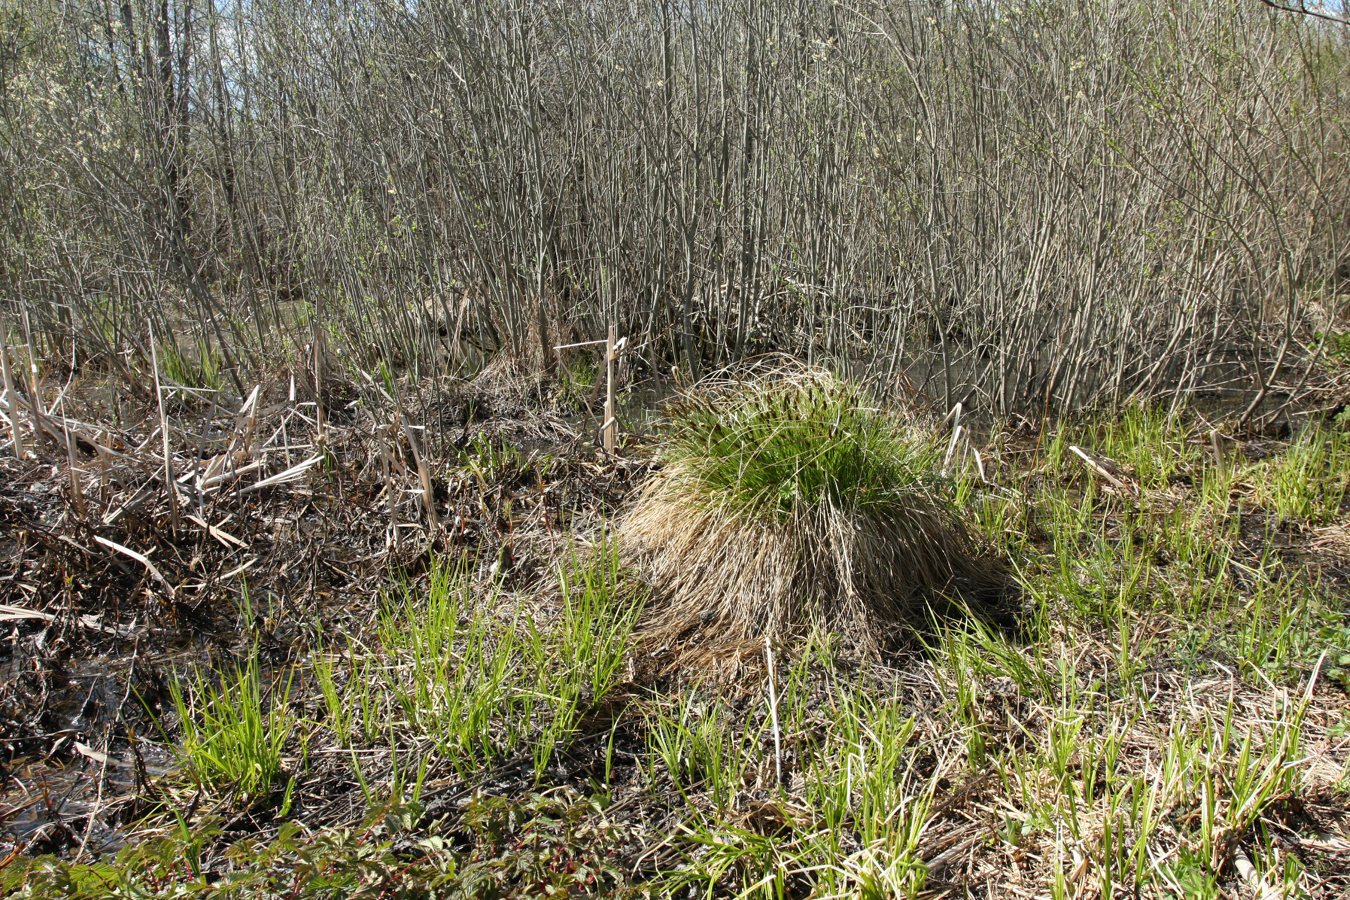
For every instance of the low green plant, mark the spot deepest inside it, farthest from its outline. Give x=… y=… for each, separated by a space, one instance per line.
x=560 y=844
x=1153 y=441
x=601 y=603
x=1335 y=639
x=482 y=686
x=584 y=655
x=454 y=673
x=703 y=750
x=203 y=369
x=234 y=730
x=576 y=381
x=727 y=861
x=1335 y=345
x=779 y=448
x=865 y=788
x=1307 y=482
x=490 y=461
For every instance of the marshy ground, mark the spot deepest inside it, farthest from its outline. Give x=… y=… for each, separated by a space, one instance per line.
x=397 y=650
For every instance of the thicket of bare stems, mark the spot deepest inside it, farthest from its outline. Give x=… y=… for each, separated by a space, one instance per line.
x=1027 y=206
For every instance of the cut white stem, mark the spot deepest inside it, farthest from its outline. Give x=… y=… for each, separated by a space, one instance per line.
x=11 y=398
x=773 y=714
x=169 y=485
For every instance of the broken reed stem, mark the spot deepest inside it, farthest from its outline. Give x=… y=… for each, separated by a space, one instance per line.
x=979 y=462
x=11 y=398
x=610 y=427
x=169 y=484
x=955 y=417
x=773 y=714
x=951 y=446
x=139 y=557
x=76 y=492
x=424 y=477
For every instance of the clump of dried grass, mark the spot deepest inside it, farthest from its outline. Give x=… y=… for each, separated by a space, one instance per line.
x=788 y=500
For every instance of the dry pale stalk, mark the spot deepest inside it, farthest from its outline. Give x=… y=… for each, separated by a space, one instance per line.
x=140 y=558
x=611 y=426
x=11 y=397
x=424 y=479
x=170 y=486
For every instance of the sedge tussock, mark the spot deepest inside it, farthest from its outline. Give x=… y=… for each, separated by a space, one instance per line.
x=788 y=500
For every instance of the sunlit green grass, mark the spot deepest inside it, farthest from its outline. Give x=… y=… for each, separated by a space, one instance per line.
x=779 y=447
x=203 y=369
x=234 y=729
x=1308 y=481
x=476 y=679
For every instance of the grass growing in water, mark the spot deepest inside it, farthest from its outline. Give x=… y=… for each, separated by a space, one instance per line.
x=234 y=730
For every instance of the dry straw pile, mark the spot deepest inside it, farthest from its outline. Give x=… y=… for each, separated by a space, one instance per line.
x=787 y=499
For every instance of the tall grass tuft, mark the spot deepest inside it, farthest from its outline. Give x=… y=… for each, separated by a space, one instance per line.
x=1309 y=481
x=483 y=681
x=788 y=499
x=234 y=730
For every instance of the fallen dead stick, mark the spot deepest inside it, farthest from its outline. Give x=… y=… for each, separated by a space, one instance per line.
x=215 y=481
x=13 y=613
x=127 y=551
x=223 y=536
x=18 y=613
x=281 y=477
x=248 y=564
